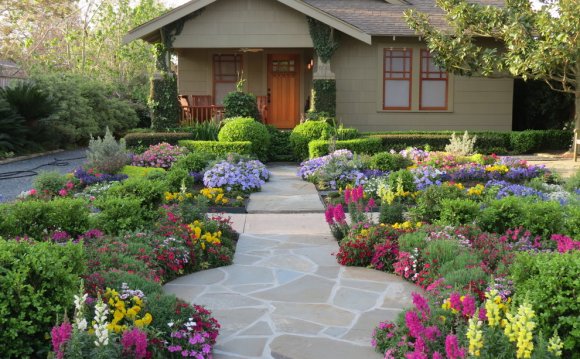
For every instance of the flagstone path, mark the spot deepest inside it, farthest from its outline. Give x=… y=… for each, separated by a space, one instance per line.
x=285 y=297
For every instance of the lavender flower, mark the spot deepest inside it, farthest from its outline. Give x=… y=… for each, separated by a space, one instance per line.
x=247 y=176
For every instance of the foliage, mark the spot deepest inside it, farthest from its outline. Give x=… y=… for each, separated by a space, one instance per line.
x=336 y=170
x=106 y=154
x=526 y=141
x=205 y=130
x=178 y=177
x=538 y=44
x=463 y=146
x=165 y=109
x=324 y=38
x=323 y=97
x=549 y=282
x=13 y=131
x=346 y=133
x=149 y=192
x=85 y=107
x=50 y=182
x=386 y=161
x=116 y=214
x=38 y=218
x=365 y=145
x=247 y=129
x=38 y=282
x=136 y=171
x=458 y=211
x=391 y=213
x=194 y=161
x=162 y=155
x=304 y=133
x=240 y=104
x=280 y=148
x=146 y=139
x=406 y=179
x=220 y=149
x=28 y=100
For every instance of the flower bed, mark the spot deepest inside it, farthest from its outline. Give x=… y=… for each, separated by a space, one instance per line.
x=475 y=233
x=136 y=234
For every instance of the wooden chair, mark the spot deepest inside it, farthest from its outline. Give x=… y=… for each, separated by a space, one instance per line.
x=576 y=144
x=186 y=114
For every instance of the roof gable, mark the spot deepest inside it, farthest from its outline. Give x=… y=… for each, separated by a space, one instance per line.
x=149 y=31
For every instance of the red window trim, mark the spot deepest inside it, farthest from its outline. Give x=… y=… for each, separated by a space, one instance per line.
x=215 y=57
x=424 y=76
x=405 y=75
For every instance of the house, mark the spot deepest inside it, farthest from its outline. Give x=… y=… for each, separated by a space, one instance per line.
x=385 y=77
x=9 y=72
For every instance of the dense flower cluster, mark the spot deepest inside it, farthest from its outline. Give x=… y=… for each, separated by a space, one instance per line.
x=245 y=176
x=91 y=177
x=162 y=155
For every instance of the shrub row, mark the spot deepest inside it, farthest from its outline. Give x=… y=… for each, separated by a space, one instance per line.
x=146 y=139
x=368 y=145
x=487 y=142
x=218 y=148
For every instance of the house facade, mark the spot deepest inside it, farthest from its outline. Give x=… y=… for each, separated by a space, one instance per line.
x=385 y=76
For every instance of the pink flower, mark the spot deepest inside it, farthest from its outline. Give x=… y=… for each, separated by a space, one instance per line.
x=63 y=192
x=432 y=333
x=339 y=215
x=468 y=306
x=565 y=243
x=329 y=214
x=60 y=336
x=414 y=324
x=69 y=185
x=421 y=304
x=437 y=355
x=482 y=315
x=452 y=348
x=455 y=301
x=135 y=341
x=370 y=205
x=32 y=192
x=347 y=195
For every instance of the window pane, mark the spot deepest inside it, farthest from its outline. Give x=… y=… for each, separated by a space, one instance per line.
x=221 y=90
x=397 y=93
x=398 y=64
x=433 y=94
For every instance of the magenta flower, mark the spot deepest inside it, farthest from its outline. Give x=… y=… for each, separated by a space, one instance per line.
x=482 y=315
x=347 y=195
x=329 y=214
x=437 y=355
x=421 y=304
x=565 y=243
x=432 y=333
x=135 y=342
x=452 y=348
x=455 y=301
x=414 y=324
x=339 y=215
x=468 y=306
x=60 y=336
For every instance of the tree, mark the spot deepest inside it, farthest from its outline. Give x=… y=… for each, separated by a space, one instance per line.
x=541 y=44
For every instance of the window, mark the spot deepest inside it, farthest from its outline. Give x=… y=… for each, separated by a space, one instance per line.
x=433 y=86
x=226 y=69
x=397 y=79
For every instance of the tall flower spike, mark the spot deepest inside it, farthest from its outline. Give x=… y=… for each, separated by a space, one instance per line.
x=100 y=326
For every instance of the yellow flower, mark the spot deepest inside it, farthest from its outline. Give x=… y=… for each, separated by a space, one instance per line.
x=492 y=307
x=475 y=336
x=555 y=345
x=146 y=320
x=519 y=328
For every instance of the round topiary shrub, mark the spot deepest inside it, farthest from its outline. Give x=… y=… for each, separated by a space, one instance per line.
x=247 y=129
x=385 y=161
x=306 y=132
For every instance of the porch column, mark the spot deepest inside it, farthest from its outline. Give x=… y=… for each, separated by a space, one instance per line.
x=323 y=96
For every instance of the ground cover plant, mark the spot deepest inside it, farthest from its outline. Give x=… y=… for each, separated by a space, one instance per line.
x=119 y=235
x=485 y=237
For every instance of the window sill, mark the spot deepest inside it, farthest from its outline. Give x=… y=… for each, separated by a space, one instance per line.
x=416 y=111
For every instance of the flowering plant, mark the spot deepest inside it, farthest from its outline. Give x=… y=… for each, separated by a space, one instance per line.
x=162 y=155
x=245 y=176
x=90 y=176
x=194 y=333
x=126 y=307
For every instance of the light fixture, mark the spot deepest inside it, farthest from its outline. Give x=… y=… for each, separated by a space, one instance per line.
x=310 y=64
x=247 y=49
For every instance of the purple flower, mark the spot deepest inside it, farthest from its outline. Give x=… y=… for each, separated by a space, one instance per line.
x=414 y=324
x=60 y=334
x=421 y=304
x=452 y=348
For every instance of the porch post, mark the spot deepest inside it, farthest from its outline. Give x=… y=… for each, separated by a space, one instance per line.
x=323 y=96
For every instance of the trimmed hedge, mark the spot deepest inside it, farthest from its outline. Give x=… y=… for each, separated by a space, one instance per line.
x=347 y=133
x=147 y=139
x=247 y=129
x=218 y=148
x=304 y=133
x=136 y=171
x=368 y=145
x=487 y=142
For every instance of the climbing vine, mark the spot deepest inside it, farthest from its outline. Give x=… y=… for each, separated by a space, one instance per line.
x=324 y=38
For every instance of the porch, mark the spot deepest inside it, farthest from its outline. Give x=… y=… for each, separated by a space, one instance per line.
x=281 y=80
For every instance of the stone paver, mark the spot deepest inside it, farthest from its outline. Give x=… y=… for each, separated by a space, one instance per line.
x=285 y=296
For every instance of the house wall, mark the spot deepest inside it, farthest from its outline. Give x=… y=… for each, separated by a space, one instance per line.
x=474 y=103
x=245 y=23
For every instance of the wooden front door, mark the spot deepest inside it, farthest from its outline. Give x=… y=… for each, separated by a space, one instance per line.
x=283 y=90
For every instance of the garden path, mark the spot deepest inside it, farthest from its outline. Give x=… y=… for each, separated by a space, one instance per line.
x=285 y=296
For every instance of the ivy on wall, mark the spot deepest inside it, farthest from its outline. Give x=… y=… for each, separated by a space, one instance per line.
x=324 y=38
x=324 y=97
x=163 y=102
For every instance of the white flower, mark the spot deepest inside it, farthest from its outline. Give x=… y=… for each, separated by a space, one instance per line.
x=81 y=325
x=100 y=326
x=170 y=324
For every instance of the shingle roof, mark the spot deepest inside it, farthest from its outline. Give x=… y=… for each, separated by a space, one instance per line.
x=379 y=18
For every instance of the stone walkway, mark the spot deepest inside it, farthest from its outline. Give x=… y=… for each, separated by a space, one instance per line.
x=285 y=297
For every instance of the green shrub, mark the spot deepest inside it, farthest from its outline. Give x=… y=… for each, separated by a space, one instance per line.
x=219 y=149
x=49 y=182
x=178 y=177
x=409 y=241
x=115 y=279
x=346 y=133
x=391 y=213
x=550 y=282
x=106 y=154
x=13 y=132
x=194 y=161
x=136 y=171
x=247 y=129
x=304 y=133
x=146 y=139
x=572 y=221
x=37 y=218
x=205 y=130
x=367 y=145
x=455 y=212
x=526 y=141
x=120 y=214
x=429 y=202
x=149 y=192
x=240 y=104
x=573 y=183
x=165 y=109
x=323 y=97
x=385 y=161
x=38 y=282
x=280 y=148
x=540 y=218
x=406 y=178
x=399 y=142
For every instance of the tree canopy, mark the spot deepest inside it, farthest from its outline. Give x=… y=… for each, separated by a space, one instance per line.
x=515 y=39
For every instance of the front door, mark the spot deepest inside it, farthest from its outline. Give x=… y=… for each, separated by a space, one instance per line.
x=283 y=90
